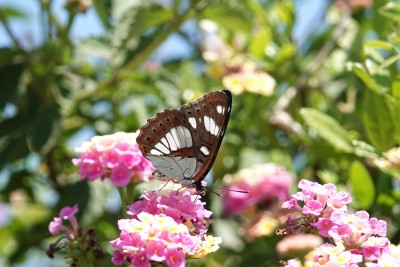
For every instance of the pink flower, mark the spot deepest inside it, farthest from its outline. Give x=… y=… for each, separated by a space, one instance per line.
x=78 y=245
x=118 y=257
x=313 y=207
x=378 y=227
x=56 y=226
x=120 y=175
x=140 y=260
x=324 y=225
x=68 y=213
x=359 y=240
x=116 y=157
x=164 y=228
x=179 y=205
x=371 y=253
x=175 y=258
x=156 y=250
x=265 y=183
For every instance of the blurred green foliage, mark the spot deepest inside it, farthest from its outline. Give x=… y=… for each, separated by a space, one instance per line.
x=334 y=111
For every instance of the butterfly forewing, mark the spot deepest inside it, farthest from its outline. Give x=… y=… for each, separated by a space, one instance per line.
x=208 y=118
x=183 y=143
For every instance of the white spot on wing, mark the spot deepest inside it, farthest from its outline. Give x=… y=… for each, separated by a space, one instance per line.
x=193 y=122
x=162 y=148
x=207 y=122
x=188 y=137
x=171 y=142
x=174 y=134
x=155 y=152
x=220 y=109
x=204 y=150
x=181 y=136
x=212 y=126
x=165 y=142
x=216 y=130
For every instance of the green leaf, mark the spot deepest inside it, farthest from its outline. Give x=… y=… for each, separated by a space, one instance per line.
x=328 y=128
x=395 y=88
x=190 y=77
x=391 y=10
x=9 y=12
x=9 y=76
x=43 y=127
x=360 y=71
x=362 y=184
x=259 y=42
x=377 y=121
x=13 y=150
x=380 y=45
x=394 y=107
x=136 y=21
x=226 y=16
x=102 y=8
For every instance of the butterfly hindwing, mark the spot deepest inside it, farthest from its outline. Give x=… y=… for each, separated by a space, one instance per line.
x=182 y=144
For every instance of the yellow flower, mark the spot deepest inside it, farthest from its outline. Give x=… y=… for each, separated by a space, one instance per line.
x=259 y=83
x=209 y=244
x=234 y=83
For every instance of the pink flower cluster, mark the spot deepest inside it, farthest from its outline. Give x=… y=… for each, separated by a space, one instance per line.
x=66 y=213
x=164 y=228
x=114 y=156
x=80 y=246
x=353 y=238
x=265 y=183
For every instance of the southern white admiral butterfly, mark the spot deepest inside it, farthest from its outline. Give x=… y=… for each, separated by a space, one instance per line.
x=183 y=143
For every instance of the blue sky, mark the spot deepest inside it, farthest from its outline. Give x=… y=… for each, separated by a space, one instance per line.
x=29 y=27
x=309 y=13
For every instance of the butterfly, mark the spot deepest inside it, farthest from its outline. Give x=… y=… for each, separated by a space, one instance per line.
x=182 y=144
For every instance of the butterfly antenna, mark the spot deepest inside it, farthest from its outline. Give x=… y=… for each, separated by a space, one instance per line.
x=233 y=190
x=218 y=194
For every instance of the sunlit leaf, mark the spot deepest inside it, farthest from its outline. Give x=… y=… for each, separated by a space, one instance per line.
x=377 y=121
x=381 y=45
x=228 y=17
x=391 y=10
x=360 y=71
x=362 y=185
x=328 y=128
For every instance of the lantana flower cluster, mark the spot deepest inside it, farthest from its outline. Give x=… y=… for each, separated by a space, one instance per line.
x=251 y=80
x=259 y=209
x=390 y=160
x=116 y=157
x=165 y=228
x=79 y=246
x=264 y=182
x=238 y=73
x=354 y=239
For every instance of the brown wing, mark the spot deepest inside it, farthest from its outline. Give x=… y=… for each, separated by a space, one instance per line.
x=183 y=143
x=208 y=118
